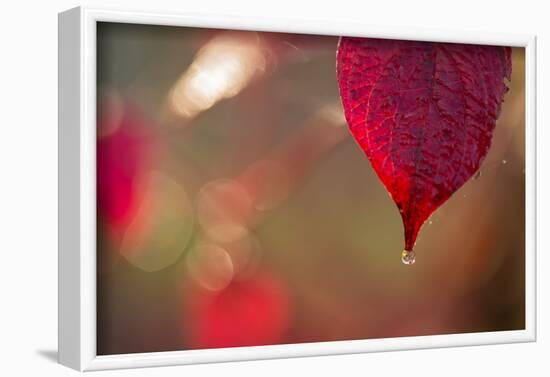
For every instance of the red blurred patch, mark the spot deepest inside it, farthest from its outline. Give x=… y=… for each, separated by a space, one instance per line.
x=122 y=156
x=246 y=313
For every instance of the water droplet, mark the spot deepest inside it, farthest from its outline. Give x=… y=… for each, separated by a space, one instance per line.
x=430 y=222
x=504 y=162
x=408 y=257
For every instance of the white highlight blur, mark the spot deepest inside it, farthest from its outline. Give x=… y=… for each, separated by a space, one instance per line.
x=224 y=210
x=211 y=266
x=268 y=183
x=332 y=113
x=221 y=69
x=110 y=112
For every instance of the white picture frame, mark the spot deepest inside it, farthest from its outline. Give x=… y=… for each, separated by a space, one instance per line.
x=77 y=199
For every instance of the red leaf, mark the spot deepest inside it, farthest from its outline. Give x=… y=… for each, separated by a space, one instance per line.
x=423 y=113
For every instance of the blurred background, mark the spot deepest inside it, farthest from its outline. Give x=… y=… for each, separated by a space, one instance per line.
x=235 y=209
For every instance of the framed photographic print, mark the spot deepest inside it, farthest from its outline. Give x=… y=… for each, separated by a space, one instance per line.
x=237 y=189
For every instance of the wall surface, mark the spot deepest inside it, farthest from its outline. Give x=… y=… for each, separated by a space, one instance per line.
x=28 y=194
